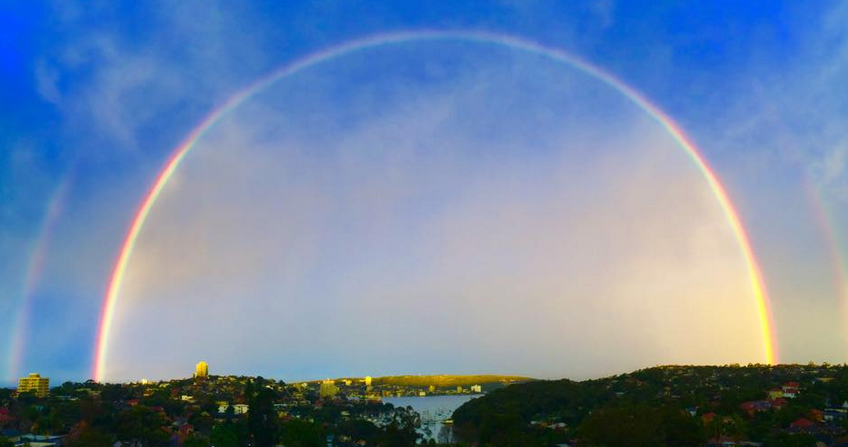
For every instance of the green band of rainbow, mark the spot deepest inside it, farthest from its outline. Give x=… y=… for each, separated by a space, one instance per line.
x=110 y=299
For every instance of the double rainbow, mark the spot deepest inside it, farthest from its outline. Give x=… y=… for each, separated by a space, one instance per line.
x=180 y=153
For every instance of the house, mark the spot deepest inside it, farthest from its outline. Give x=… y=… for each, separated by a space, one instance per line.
x=802 y=424
x=834 y=414
x=755 y=406
x=778 y=403
x=40 y=440
x=5 y=417
x=791 y=389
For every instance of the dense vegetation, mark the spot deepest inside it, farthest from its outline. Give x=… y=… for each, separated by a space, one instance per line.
x=673 y=406
x=188 y=413
x=680 y=406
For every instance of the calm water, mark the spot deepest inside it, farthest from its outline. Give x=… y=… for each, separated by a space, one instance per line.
x=433 y=410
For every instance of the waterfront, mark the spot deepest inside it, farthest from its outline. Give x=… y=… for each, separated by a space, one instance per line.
x=433 y=410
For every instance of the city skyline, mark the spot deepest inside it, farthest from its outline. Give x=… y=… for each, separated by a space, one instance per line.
x=547 y=191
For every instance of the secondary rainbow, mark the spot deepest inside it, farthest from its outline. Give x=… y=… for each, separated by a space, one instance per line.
x=824 y=224
x=179 y=154
x=35 y=269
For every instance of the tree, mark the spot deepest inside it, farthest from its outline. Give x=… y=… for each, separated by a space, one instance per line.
x=396 y=435
x=358 y=429
x=680 y=429
x=300 y=433
x=89 y=437
x=631 y=425
x=261 y=416
x=140 y=426
x=224 y=435
x=196 y=440
x=783 y=439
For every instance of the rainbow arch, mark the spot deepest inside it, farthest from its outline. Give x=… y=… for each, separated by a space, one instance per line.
x=181 y=151
x=35 y=270
x=824 y=223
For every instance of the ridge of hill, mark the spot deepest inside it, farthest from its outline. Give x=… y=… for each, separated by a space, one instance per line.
x=449 y=380
x=441 y=380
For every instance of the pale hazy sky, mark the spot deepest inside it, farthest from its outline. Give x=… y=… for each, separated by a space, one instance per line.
x=429 y=207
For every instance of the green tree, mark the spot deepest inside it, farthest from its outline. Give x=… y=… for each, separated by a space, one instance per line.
x=634 y=426
x=196 y=440
x=300 y=433
x=358 y=429
x=89 y=437
x=681 y=430
x=397 y=435
x=783 y=439
x=224 y=435
x=261 y=415
x=142 y=427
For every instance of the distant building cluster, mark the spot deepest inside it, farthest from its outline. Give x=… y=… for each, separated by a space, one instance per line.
x=34 y=383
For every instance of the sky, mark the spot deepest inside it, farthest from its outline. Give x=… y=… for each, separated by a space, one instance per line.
x=419 y=206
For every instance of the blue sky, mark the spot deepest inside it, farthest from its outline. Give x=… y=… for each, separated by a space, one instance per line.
x=95 y=96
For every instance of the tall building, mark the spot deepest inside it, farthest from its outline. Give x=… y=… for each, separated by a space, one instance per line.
x=201 y=371
x=367 y=380
x=328 y=389
x=34 y=383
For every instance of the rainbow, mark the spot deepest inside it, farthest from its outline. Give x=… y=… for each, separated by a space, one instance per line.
x=35 y=268
x=180 y=153
x=823 y=223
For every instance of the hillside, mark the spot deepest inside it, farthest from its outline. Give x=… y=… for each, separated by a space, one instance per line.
x=782 y=405
x=448 y=381
x=439 y=380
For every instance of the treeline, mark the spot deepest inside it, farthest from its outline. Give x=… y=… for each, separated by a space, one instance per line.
x=664 y=406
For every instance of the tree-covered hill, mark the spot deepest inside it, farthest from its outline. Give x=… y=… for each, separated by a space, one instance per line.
x=784 y=405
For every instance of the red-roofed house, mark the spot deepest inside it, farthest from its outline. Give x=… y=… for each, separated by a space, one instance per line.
x=755 y=406
x=802 y=424
x=778 y=403
x=5 y=416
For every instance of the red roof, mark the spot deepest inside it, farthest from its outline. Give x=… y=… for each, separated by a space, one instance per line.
x=792 y=385
x=777 y=403
x=802 y=423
